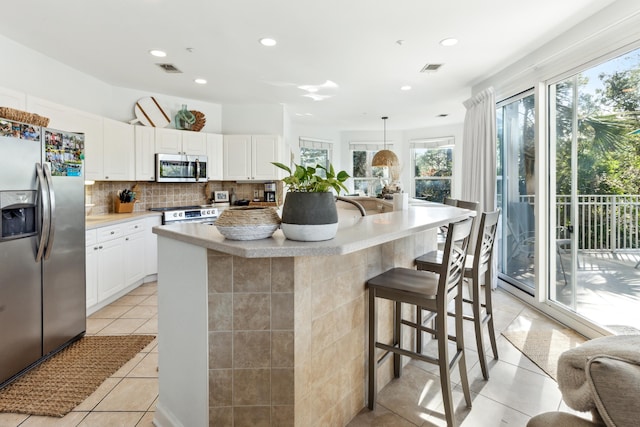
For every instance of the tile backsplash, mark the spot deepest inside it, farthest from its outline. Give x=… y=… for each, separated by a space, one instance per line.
x=159 y=194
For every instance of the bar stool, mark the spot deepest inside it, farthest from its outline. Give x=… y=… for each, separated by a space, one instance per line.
x=433 y=292
x=477 y=266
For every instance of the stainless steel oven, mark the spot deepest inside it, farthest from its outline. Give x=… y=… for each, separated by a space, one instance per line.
x=182 y=214
x=181 y=168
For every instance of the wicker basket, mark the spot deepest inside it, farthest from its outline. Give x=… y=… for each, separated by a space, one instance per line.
x=248 y=223
x=24 y=117
x=200 y=121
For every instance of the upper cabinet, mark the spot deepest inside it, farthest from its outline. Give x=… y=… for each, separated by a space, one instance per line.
x=214 y=157
x=118 y=152
x=145 y=153
x=174 y=141
x=249 y=157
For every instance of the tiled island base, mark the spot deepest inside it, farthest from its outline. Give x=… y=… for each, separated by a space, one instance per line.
x=286 y=336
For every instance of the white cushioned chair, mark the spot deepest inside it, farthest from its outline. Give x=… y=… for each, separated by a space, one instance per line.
x=601 y=376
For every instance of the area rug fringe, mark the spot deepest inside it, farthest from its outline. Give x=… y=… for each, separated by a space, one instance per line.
x=61 y=383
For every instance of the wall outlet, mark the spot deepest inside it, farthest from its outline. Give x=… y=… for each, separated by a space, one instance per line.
x=256 y=194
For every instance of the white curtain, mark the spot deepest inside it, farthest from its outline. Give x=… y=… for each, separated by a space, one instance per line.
x=479 y=154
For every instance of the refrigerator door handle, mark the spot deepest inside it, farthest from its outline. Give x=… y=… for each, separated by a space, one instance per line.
x=44 y=200
x=52 y=208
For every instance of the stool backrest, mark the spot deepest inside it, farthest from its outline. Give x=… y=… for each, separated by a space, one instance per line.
x=485 y=240
x=449 y=201
x=455 y=254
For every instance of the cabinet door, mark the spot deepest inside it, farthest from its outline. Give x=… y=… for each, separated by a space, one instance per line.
x=168 y=141
x=91 y=267
x=194 y=143
x=118 y=155
x=237 y=157
x=134 y=248
x=151 y=246
x=13 y=99
x=214 y=157
x=92 y=126
x=111 y=269
x=264 y=151
x=145 y=158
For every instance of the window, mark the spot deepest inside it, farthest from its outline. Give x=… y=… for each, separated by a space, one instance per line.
x=367 y=179
x=432 y=165
x=315 y=152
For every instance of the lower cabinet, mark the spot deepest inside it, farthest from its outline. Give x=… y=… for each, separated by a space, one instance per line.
x=118 y=257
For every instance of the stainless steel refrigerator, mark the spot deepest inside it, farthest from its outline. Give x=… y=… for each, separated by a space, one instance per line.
x=42 y=250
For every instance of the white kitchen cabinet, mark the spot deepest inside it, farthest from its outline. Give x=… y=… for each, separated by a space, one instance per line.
x=13 y=99
x=214 y=157
x=134 y=252
x=249 y=157
x=91 y=267
x=92 y=126
x=151 y=246
x=118 y=151
x=174 y=141
x=145 y=169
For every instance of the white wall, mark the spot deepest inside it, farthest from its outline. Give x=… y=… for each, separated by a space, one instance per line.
x=265 y=119
x=28 y=71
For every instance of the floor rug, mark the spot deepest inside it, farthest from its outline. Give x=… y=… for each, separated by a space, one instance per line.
x=62 y=382
x=544 y=346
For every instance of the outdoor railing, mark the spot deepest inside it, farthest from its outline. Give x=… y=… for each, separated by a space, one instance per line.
x=605 y=222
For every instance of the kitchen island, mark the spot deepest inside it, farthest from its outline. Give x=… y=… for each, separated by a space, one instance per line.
x=273 y=331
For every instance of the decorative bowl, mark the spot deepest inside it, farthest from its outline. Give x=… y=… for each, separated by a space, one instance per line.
x=248 y=222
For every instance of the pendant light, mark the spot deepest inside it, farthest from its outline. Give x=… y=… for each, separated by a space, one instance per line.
x=385 y=157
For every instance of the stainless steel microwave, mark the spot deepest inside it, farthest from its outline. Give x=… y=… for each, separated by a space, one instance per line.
x=181 y=168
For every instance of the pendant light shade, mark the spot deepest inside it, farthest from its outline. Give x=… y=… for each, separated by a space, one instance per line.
x=385 y=157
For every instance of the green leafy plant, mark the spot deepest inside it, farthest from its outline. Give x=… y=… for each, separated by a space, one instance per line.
x=306 y=179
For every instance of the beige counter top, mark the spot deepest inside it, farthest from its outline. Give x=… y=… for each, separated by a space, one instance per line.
x=354 y=233
x=95 y=221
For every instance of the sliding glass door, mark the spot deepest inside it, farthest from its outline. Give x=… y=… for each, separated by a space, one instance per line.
x=516 y=190
x=594 y=205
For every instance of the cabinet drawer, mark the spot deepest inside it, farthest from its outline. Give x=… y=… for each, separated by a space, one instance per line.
x=110 y=233
x=90 y=237
x=134 y=226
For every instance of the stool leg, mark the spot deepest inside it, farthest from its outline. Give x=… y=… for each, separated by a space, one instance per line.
x=477 y=325
x=462 y=364
x=397 y=338
x=489 y=308
x=418 y=331
x=372 y=349
x=443 y=363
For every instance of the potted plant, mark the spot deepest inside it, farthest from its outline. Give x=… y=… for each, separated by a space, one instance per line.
x=309 y=212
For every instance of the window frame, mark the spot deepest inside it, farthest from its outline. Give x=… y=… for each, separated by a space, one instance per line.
x=371 y=148
x=431 y=144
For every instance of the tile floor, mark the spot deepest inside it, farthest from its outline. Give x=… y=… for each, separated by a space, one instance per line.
x=128 y=397
x=516 y=391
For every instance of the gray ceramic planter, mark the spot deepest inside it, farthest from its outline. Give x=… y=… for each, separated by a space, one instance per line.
x=309 y=217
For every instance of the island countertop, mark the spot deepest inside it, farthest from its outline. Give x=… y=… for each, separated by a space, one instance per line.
x=354 y=233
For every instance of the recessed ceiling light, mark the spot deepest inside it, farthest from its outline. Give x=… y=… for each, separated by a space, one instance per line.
x=201 y=81
x=449 y=42
x=158 y=53
x=268 y=42
x=405 y=87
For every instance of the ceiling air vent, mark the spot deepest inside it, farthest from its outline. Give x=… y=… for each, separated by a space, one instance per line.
x=169 y=68
x=430 y=68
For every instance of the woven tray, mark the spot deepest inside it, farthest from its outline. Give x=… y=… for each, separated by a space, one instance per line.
x=200 y=121
x=248 y=223
x=24 y=117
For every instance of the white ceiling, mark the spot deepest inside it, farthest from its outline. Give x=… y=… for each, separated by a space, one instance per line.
x=350 y=42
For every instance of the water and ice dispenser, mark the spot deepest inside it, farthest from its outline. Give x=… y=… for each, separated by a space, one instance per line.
x=18 y=214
